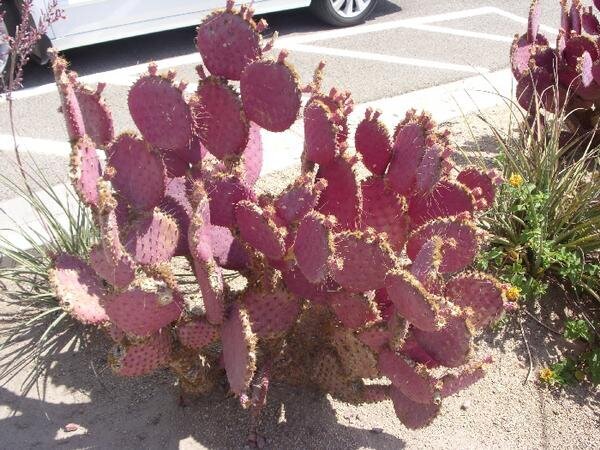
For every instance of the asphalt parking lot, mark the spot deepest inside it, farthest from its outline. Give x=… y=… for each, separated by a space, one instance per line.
x=406 y=46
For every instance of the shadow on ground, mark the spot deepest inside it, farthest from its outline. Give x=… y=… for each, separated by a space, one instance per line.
x=145 y=413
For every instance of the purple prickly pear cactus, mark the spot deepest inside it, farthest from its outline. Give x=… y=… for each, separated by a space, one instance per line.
x=309 y=285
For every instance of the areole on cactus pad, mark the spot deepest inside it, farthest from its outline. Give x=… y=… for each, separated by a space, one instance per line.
x=345 y=277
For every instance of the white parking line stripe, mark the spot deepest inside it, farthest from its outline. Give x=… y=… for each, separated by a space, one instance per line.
x=520 y=19
x=386 y=58
x=382 y=26
x=459 y=32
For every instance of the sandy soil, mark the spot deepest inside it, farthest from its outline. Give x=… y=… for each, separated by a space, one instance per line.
x=501 y=411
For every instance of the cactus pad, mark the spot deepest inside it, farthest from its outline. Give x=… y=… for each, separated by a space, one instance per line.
x=479 y=292
x=140 y=172
x=119 y=272
x=385 y=211
x=481 y=185
x=227 y=41
x=228 y=250
x=313 y=246
x=219 y=118
x=320 y=134
x=97 y=118
x=239 y=350
x=451 y=345
x=224 y=193
x=142 y=313
x=153 y=238
x=407 y=153
x=342 y=197
x=354 y=310
x=159 y=111
x=356 y=357
x=85 y=170
x=412 y=380
x=78 y=289
x=271 y=93
x=197 y=333
x=134 y=359
x=372 y=140
x=448 y=198
x=362 y=260
x=299 y=198
x=412 y=301
x=258 y=228
x=460 y=240
x=271 y=313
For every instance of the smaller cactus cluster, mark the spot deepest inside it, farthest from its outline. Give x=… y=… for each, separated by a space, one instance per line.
x=566 y=75
x=347 y=278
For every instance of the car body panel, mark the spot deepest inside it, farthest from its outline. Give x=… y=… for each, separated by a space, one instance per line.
x=93 y=21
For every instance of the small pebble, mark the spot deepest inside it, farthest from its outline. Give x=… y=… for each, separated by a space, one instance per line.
x=70 y=427
x=465 y=405
x=377 y=430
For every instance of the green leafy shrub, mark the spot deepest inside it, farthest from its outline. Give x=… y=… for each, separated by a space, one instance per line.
x=546 y=220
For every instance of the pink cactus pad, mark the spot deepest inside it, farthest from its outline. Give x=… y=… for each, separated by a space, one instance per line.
x=252 y=156
x=453 y=383
x=239 y=344
x=415 y=352
x=430 y=169
x=589 y=23
x=460 y=242
x=296 y=283
x=258 y=228
x=320 y=134
x=413 y=381
x=160 y=112
x=479 y=292
x=78 y=289
x=521 y=52
x=117 y=272
x=143 y=313
x=533 y=22
x=69 y=105
x=228 y=250
x=407 y=153
x=271 y=93
x=177 y=205
x=299 y=198
x=197 y=333
x=97 y=118
x=425 y=267
x=384 y=304
x=576 y=47
x=175 y=165
x=362 y=260
x=85 y=170
x=137 y=359
x=372 y=141
x=219 y=118
x=481 y=185
x=412 y=301
x=448 y=198
x=227 y=41
x=412 y=414
x=342 y=197
x=224 y=193
x=210 y=280
x=385 y=211
x=450 y=346
x=353 y=309
x=153 y=238
x=140 y=172
x=271 y=313
x=313 y=246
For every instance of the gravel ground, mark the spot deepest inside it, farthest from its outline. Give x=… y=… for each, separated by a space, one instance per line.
x=501 y=411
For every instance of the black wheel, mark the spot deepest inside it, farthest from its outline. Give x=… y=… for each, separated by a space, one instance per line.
x=343 y=13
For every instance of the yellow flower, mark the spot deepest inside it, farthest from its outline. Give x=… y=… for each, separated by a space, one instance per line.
x=515 y=180
x=513 y=293
x=546 y=375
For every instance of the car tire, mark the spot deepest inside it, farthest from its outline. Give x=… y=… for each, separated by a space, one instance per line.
x=332 y=11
